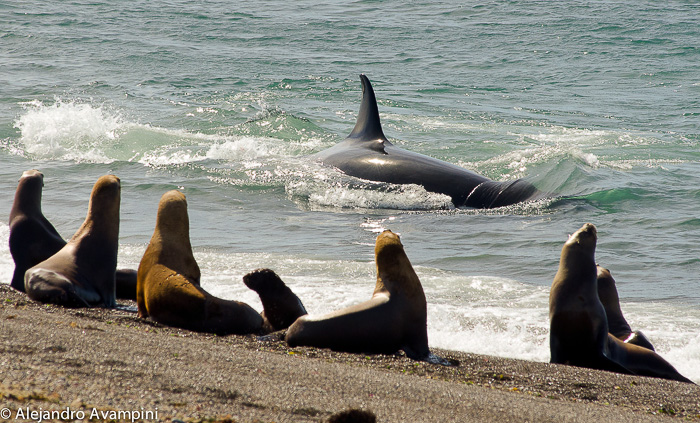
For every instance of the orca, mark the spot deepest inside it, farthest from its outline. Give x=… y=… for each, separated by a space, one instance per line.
x=367 y=154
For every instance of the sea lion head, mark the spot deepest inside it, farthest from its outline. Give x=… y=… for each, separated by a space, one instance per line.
x=394 y=271
x=103 y=208
x=585 y=238
x=171 y=238
x=579 y=250
x=577 y=268
x=173 y=221
x=28 y=194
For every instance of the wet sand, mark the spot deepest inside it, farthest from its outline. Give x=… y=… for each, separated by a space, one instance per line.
x=107 y=361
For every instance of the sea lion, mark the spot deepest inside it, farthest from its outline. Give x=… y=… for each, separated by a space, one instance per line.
x=617 y=324
x=366 y=153
x=33 y=238
x=281 y=307
x=82 y=272
x=578 y=323
x=126 y=284
x=394 y=319
x=168 y=289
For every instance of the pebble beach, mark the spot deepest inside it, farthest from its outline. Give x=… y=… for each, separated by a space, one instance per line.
x=102 y=362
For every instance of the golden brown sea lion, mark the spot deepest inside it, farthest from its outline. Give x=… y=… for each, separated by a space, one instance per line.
x=394 y=319
x=82 y=272
x=617 y=324
x=33 y=238
x=281 y=307
x=578 y=323
x=168 y=289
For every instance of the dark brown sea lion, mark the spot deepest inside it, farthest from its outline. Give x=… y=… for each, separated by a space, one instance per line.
x=578 y=323
x=126 y=284
x=82 y=272
x=34 y=239
x=168 y=289
x=617 y=324
x=281 y=307
x=394 y=319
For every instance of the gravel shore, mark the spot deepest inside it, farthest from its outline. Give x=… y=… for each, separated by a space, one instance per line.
x=103 y=362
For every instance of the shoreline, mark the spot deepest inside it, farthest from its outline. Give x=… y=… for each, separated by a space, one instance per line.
x=110 y=361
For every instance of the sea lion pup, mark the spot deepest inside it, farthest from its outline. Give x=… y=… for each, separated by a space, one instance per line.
x=578 y=323
x=394 y=319
x=617 y=324
x=33 y=238
x=168 y=289
x=82 y=273
x=281 y=307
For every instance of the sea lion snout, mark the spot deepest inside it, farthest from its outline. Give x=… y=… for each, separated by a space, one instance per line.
x=587 y=235
x=386 y=241
x=31 y=173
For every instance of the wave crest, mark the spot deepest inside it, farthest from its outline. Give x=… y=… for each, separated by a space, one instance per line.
x=68 y=131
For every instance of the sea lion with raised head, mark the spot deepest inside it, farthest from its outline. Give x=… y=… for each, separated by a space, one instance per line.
x=168 y=288
x=617 y=324
x=579 y=333
x=281 y=307
x=82 y=272
x=33 y=238
x=367 y=154
x=394 y=319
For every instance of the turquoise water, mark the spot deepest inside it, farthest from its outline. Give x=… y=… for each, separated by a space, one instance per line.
x=598 y=102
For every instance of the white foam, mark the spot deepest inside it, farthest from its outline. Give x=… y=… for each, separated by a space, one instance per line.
x=68 y=131
x=243 y=148
x=84 y=132
x=519 y=162
x=326 y=188
x=7 y=265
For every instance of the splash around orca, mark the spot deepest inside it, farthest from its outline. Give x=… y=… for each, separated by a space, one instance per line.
x=366 y=153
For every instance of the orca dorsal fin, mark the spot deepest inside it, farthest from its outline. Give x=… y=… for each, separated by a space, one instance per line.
x=368 y=127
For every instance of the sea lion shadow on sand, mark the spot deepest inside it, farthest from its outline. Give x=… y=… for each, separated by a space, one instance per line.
x=394 y=319
x=169 y=291
x=33 y=239
x=579 y=331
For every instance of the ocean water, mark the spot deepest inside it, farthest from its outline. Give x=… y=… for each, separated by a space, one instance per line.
x=598 y=102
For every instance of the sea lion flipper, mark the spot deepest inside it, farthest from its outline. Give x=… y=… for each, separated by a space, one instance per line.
x=606 y=363
x=430 y=358
x=47 y=286
x=638 y=338
x=273 y=336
